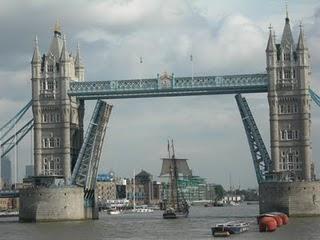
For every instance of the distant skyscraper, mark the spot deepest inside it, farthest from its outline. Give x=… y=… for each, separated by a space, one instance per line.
x=6 y=170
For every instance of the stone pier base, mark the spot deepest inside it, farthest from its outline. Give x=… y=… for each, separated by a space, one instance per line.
x=40 y=204
x=292 y=198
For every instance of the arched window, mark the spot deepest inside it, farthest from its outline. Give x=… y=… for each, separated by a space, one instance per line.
x=290 y=135
x=287 y=74
x=57 y=142
x=45 y=143
x=51 y=143
x=44 y=117
x=287 y=56
x=283 y=134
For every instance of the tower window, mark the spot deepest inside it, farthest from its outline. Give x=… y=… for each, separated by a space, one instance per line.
x=52 y=165
x=287 y=74
x=287 y=57
x=51 y=142
x=52 y=117
x=44 y=117
x=45 y=143
x=57 y=142
x=50 y=68
x=50 y=85
x=296 y=134
x=283 y=135
x=290 y=135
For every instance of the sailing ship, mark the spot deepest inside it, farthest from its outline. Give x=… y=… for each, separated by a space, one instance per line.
x=176 y=206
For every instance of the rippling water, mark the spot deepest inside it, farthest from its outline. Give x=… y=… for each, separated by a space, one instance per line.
x=152 y=226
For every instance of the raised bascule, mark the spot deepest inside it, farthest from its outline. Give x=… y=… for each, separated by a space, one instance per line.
x=66 y=161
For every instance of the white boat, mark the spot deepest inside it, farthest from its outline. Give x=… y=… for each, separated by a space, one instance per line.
x=113 y=211
x=142 y=209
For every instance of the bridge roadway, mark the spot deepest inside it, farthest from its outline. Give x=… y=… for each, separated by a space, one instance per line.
x=169 y=85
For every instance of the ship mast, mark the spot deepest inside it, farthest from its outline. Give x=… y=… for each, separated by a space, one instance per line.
x=174 y=181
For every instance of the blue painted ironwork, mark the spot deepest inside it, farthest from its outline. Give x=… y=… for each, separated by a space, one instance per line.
x=315 y=97
x=8 y=144
x=260 y=155
x=9 y=194
x=86 y=168
x=7 y=127
x=165 y=86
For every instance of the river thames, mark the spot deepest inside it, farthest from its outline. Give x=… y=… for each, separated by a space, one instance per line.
x=152 y=226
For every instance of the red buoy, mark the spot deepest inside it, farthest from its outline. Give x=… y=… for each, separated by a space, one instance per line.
x=278 y=219
x=267 y=224
x=284 y=218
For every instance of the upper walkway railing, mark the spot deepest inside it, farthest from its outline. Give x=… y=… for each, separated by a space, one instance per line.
x=168 y=85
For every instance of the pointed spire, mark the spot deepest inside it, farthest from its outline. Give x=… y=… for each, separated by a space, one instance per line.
x=57 y=28
x=64 y=52
x=36 y=58
x=287 y=38
x=271 y=43
x=301 y=44
x=78 y=58
x=287 y=12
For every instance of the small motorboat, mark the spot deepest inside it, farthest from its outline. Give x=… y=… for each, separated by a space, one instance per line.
x=113 y=211
x=233 y=227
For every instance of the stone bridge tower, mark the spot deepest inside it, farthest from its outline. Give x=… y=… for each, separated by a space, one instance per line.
x=58 y=118
x=289 y=75
x=292 y=188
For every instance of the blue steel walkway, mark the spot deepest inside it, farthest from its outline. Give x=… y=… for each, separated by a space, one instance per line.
x=168 y=85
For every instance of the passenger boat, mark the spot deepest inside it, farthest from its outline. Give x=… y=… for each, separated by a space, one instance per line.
x=233 y=227
x=177 y=205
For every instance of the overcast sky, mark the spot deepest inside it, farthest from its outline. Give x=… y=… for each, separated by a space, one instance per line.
x=224 y=37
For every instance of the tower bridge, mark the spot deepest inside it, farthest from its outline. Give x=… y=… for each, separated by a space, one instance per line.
x=66 y=160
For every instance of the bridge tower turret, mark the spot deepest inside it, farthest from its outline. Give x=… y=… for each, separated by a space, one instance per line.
x=36 y=85
x=271 y=52
x=303 y=73
x=289 y=104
